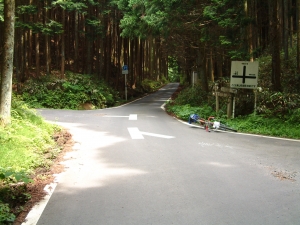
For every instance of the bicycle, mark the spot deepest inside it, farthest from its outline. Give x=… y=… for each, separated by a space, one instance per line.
x=210 y=123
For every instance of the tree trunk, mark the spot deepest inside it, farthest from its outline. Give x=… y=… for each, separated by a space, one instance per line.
x=63 y=57
x=201 y=68
x=275 y=35
x=298 y=36
x=285 y=30
x=7 y=62
x=47 y=42
x=76 y=42
x=37 y=44
x=89 y=44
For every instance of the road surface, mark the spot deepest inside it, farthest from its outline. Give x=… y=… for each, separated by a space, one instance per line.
x=136 y=165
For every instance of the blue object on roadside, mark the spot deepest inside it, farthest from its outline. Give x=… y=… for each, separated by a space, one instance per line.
x=193 y=118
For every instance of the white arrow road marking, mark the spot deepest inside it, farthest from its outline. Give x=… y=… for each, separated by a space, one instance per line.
x=131 y=116
x=157 y=135
x=135 y=133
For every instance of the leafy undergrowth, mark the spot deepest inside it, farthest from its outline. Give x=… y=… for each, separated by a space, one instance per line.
x=268 y=123
x=76 y=91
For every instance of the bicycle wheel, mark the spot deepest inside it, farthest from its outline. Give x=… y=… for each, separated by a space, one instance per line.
x=226 y=128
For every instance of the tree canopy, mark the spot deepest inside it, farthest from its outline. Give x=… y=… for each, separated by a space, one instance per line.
x=98 y=37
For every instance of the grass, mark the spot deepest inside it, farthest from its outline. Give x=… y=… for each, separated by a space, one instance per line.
x=26 y=140
x=24 y=145
x=257 y=124
x=254 y=124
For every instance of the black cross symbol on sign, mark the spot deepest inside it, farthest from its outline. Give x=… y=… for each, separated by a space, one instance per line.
x=252 y=76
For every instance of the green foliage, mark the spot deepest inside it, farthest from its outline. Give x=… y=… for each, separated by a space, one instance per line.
x=225 y=41
x=95 y=25
x=277 y=104
x=71 y=5
x=279 y=117
x=71 y=93
x=1 y=11
x=227 y=19
x=184 y=80
x=293 y=117
x=9 y=175
x=184 y=111
x=6 y=217
x=144 y=17
x=258 y=124
x=173 y=70
x=26 y=9
x=48 y=28
x=150 y=85
x=193 y=96
x=12 y=199
x=25 y=141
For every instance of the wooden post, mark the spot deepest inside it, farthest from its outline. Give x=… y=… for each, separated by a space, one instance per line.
x=255 y=100
x=229 y=107
x=233 y=107
x=217 y=97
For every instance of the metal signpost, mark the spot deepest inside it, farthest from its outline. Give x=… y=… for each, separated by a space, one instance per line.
x=125 y=72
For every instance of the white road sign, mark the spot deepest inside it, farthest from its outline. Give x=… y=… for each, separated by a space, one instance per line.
x=244 y=74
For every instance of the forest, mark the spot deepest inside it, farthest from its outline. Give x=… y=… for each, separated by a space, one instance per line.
x=99 y=36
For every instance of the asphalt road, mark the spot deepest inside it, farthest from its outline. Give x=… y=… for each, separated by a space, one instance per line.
x=136 y=165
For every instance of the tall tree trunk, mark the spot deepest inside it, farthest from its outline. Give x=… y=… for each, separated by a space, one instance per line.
x=211 y=66
x=298 y=36
x=99 y=46
x=201 y=68
x=249 y=29
x=37 y=43
x=108 y=49
x=131 y=61
x=63 y=57
x=47 y=42
x=76 y=42
x=275 y=35
x=89 y=44
x=7 y=62
x=285 y=29
x=291 y=22
x=30 y=42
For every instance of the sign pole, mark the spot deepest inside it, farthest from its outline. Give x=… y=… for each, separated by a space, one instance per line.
x=233 y=107
x=255 y=100
x=125 y=72
x=126 y=87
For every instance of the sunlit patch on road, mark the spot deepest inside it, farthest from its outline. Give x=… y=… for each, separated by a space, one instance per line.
x=218 y=164
x=207 y=144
